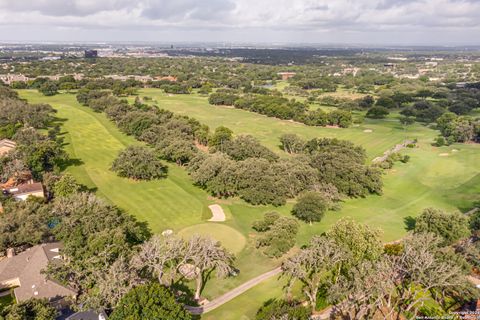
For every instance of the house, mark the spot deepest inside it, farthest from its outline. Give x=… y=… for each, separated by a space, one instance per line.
x=286 y=75
x=6 y=146
x=87 y=315
x=23 y=191
x=23 y=272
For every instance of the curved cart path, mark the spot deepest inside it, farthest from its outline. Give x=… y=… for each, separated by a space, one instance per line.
x=217 y=302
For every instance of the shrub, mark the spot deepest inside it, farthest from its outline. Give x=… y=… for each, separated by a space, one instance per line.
x=377 y=112
x=311 y=206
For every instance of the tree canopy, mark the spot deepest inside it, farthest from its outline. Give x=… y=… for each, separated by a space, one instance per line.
x=139 y=163
x=149 y=301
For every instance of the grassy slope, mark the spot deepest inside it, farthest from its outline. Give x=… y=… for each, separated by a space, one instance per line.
x=427 y=180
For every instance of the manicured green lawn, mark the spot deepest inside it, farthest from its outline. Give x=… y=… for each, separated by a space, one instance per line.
x=230 y=238
x=449 y=182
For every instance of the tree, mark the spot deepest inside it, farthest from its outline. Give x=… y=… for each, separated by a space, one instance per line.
x=161 y=256
x=24 y=223
x=32 y=309
x=475 y=221
x=310 y=207
x=246 y=146
x=149 y=301
x=311 y=266
x=362 y=241
x=207 y=255
x=366 y=102
x=397 y=285
x=215 y=173
x=377 y=112
x=277 y=234
x=115 y=283
x=406 y=121
x=42 y=156
x=65 y=186
x=170 y=258
x=281 y=309
x=49 y=88
x=221 y=137
x=258 y=182
x=139 y=163
x=449 y=227
x=292 y=143
x=385 y=102
x=94 y=234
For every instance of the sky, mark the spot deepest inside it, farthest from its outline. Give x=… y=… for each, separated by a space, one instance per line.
x=388 y=22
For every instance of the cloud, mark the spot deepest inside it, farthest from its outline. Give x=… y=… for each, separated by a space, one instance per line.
x=185 y=9
x=264 y=16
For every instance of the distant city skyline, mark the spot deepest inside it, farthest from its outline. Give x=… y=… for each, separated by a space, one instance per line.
x=380 y=22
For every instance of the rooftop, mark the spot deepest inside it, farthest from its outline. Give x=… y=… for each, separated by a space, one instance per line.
x=24 y=272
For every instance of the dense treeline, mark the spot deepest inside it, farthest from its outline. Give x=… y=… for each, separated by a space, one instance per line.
x=329 y=166
x=36 y=153
x=282 y=108
x=16 y=114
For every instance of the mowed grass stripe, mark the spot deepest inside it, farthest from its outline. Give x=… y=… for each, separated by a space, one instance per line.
x=96 y=141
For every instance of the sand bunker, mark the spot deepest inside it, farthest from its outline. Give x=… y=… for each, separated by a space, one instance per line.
x=444 y=154
x=368 y=130
x=217 y=213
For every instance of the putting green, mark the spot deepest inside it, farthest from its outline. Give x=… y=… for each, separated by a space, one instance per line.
x=230 y=238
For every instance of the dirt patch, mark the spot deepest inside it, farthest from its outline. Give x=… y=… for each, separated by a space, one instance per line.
x=368 y=130
x=217 y=213
x=444 y=154
x=332 y=127
x=201 y=147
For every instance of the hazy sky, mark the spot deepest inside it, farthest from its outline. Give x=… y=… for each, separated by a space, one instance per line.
x=315 y=21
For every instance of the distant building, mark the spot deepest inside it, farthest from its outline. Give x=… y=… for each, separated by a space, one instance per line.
x=23 y=191
x=287 y=75
x=6 y=146
x=91 y=53
x=9 y=78
x=23 y=272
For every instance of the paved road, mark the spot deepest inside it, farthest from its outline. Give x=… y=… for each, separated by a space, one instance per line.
x=217 y=302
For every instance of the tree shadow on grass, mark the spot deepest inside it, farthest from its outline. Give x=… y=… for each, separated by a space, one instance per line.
x=409 y=223
x=184 y=293
x=75 y=162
